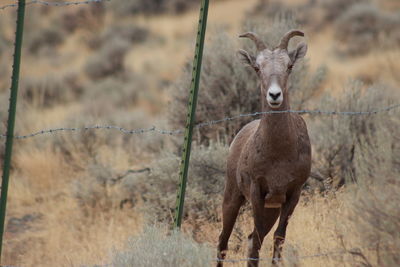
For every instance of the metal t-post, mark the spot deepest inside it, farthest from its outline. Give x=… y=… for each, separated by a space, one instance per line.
x=194 y=88
x=11 y=117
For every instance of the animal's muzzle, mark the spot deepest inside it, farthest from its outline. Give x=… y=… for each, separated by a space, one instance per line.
x=274 y=95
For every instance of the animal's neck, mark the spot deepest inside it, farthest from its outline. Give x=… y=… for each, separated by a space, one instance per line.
x=276 y=130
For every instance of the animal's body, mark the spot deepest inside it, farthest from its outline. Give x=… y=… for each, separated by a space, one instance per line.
x=269 y=159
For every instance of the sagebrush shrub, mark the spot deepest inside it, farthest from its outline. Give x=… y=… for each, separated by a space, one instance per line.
x=47 y=38
x=376 y=217
x=108 y=60
x=87 y=17
x=80 y=148
x=153 y=190
x=42 y=39
x=149 y=7
x=365 y=26
x=341 y=143
x=2 y=149
x=333 y=9
x=50 y=90
x=157 y=189
x=117 y=93
x=155 y=247
x=131 y=34
x=4 y=102
x=95 y=190
x=375 y=197
x=303 y=13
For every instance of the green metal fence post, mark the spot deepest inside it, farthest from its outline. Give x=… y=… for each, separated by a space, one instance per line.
x=194 y=88
x=11 y=117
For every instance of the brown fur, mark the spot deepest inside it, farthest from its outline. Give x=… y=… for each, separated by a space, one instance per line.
x=269 y=159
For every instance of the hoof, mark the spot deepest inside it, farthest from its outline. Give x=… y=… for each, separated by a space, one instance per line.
x=221 y=257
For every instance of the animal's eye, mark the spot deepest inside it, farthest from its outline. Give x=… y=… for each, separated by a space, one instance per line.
x=256 y=68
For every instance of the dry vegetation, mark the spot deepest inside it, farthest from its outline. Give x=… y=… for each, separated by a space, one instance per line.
x=96 y=197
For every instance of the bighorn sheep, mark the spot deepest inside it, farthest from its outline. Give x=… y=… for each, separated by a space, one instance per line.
x=270 y=159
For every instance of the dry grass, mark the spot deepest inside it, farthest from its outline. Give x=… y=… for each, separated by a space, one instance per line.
x=62 y=234
x=64 y=208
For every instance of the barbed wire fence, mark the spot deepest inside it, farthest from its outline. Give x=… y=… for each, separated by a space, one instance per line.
x=353 y=251
x=157 y=130
x=56 y=4
x=20 y=18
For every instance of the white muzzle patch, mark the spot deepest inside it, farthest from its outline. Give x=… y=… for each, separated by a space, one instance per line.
x=274 y=96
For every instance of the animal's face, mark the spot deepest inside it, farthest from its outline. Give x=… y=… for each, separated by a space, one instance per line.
x=274 y=66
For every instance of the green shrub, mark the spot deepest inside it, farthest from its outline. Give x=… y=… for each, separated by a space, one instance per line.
x=364 y=26
x=154 y=247
x=228 y=88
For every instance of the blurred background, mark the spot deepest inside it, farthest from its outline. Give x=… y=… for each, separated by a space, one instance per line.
x=96 y=197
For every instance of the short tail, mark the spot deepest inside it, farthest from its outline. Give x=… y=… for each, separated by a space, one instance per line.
x=274 y=200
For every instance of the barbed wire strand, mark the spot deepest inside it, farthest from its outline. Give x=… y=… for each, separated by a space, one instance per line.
x=203 y=124
x=97 y=127
x=318 y=255
x=58 y=4
x=326 y=254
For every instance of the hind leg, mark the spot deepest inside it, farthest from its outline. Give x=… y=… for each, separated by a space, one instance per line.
x=232 y=202
x=280 y=233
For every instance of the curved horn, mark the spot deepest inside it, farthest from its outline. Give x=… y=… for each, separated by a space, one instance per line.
x=259 y=43
x=286 y=38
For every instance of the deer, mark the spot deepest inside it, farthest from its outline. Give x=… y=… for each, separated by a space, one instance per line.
x=269 y=159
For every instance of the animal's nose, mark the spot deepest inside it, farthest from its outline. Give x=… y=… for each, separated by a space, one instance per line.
x=274 y=96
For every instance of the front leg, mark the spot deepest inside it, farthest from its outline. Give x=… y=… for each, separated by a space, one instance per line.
x=264 y=220
x=280 y=233
x=232 y=202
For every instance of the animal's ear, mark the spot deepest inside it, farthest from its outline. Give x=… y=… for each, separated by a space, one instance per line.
x=246 y=58
x=298 y=53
